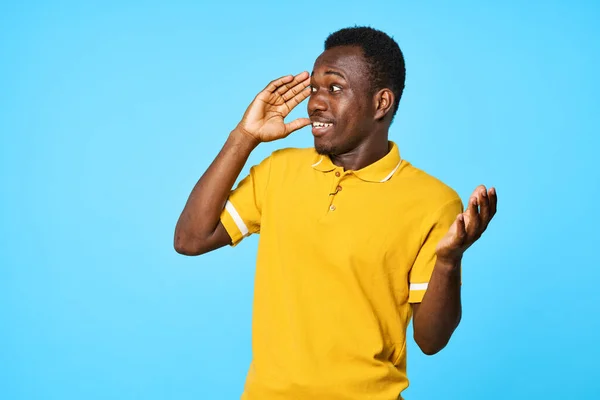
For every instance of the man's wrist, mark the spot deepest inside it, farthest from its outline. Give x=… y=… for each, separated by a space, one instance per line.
x=450 y=265
x=241 y=138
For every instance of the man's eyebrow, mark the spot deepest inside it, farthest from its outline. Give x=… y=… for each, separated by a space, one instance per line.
x=331 y=72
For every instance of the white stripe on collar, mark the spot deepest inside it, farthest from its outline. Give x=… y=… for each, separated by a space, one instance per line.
x=387 y=178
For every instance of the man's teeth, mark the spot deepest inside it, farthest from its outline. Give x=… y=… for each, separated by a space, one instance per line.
x=321 y=125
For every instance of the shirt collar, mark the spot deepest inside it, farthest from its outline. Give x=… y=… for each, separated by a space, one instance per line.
x=380 y=171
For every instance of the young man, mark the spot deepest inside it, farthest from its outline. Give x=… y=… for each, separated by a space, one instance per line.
x=354 y=241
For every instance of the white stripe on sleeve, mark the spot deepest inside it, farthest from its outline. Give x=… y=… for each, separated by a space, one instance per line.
x=418 y=286
x=236 y=218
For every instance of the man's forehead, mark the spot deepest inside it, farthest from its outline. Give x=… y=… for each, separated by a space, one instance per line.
x=342 y=58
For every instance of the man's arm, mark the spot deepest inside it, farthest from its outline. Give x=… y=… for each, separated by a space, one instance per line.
x=439 y=313
x=199 y=229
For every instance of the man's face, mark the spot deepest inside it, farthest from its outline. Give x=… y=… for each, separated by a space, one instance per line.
x=341 y=103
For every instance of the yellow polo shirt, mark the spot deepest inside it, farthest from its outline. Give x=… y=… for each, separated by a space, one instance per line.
x=341 y=256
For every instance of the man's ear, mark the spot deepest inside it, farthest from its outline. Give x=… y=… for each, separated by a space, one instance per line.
x=384 y=103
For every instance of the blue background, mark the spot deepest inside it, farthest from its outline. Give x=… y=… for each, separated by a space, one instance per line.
x=109 y=113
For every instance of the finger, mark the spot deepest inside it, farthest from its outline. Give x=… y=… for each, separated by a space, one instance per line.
x=474 y=221
x=296 y=89
x=277 y=83
x=461 y=231
x=493 y=201
x=484 y=207
x=296 y=124
x=301 y=77
x=297 y=99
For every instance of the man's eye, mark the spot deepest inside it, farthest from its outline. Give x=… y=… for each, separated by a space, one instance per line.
x=335 y=88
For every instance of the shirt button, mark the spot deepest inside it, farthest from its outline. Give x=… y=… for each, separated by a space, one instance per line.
x=332 y=207
x=337 y=173
x=339 y=188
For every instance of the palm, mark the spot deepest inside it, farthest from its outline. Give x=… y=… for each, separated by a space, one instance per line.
x=470 y=225
x=450 y=245
x=264 y=118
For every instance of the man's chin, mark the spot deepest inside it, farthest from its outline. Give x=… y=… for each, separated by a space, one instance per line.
x=322 y=151
x=325 y=149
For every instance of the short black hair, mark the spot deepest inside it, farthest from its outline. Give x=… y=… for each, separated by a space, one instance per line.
x=383 y=55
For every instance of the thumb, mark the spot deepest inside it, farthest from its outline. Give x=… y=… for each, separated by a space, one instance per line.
x=461 y=231
x=296 y=124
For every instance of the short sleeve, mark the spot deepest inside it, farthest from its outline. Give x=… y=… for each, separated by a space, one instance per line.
x=242 y=213
x=422 y=268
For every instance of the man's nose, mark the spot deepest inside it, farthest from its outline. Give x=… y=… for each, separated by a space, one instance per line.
x=317 y=102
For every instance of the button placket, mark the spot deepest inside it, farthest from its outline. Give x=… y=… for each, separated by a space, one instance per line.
x=337 y=187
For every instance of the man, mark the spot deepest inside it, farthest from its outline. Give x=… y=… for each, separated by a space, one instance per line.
x=353 y=239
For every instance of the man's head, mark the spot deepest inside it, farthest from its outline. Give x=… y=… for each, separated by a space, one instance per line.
x=356 y=83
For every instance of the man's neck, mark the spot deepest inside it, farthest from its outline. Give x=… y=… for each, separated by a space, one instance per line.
x=363 y=155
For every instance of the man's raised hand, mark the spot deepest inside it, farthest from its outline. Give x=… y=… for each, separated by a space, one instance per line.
x=469 y=225
x=264 y=121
